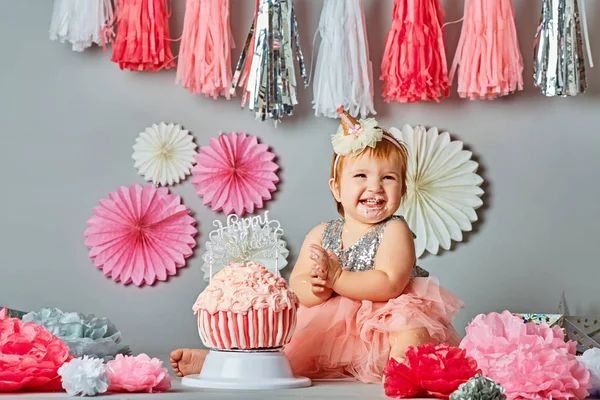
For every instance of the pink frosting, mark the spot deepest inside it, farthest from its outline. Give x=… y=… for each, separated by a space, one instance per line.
x=240 y=287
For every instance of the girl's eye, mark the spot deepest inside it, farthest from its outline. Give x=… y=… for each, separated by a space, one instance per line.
x=360 y=176
x=389 y=177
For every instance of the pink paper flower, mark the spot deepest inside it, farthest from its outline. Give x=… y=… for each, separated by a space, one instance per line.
x=235 y=173
x=140 y=234
x=137 y=374
x=530 y=361
x=30 y=356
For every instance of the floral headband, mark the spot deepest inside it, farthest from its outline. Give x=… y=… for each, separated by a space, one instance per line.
x=353 y=137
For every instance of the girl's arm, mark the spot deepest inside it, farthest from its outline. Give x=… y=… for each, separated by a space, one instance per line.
x=300 y=279
x=394 y=263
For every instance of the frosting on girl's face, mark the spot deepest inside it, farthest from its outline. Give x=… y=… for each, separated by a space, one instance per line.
x=369 y=189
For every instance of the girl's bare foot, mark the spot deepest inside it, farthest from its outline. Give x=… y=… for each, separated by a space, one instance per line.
x=400 y=341
x=187 y=361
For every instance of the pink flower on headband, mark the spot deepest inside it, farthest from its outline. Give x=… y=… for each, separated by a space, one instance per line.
x=356 y=130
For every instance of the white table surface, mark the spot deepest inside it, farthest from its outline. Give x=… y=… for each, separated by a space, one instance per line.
x=319 y=390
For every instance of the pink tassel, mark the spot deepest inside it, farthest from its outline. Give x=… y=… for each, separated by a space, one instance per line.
x=205 y=56
x=241 y=77
x=414 y=63
x=143 y=42
x=488 y=58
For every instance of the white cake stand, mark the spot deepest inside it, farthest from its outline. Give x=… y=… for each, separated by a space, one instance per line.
x=246 y=369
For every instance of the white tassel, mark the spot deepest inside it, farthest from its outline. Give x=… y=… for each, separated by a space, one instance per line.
x=586 y=35
x=344 y=73
x=81 y=22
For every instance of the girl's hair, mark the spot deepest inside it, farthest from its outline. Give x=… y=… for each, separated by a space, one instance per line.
x=385 y=149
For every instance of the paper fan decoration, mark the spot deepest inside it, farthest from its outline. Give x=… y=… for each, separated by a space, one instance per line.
x=443 y=190
x=235 y=173
x=164 y=153
x=140 y=234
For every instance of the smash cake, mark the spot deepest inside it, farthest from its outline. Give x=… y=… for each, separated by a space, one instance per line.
x=246 y=307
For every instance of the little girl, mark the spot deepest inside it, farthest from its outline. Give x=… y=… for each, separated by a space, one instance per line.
x=362 y=297
x=362 y=300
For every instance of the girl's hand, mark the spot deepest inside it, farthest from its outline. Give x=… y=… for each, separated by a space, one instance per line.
x=327 y=269
x=317 y=286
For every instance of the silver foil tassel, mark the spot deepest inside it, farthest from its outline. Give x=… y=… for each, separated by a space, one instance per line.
x=269 y=82
x=559 y=64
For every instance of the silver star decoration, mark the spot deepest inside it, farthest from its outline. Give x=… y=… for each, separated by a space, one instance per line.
x=580 y=329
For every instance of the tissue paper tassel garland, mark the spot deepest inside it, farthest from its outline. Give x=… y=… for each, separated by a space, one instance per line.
x=143 y=42
x=488 y=57
x=559 y=66
x=343 y=74
x=81 y=23
x=414 y=62
x=84 y=376
x=268 y=78
x=85 y=335
x=204 y=65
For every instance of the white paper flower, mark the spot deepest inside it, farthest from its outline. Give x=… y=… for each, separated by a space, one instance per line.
x=164 y=154
x=443 y=190
x=84 y=376
x=591 y=359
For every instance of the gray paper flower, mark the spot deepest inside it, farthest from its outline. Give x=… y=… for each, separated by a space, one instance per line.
x=479 y=388
x=85 y=335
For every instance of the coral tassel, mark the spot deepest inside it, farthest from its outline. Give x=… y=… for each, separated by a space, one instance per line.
x=204 y=65
x=143 y=42
x=488 y=58
x=414 y=63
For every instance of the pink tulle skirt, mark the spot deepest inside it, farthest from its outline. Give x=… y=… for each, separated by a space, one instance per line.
x=344 y=339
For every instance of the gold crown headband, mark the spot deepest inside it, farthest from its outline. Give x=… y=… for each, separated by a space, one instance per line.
x=353 y=137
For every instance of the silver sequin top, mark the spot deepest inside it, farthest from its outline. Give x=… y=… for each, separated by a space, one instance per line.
x=361 y=255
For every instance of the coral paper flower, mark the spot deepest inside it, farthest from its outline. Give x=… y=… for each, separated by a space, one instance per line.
x=235 y=173
x=140 y=234
x=137 y=374
x=30 y=356
x=530 y=361
x=437 y=370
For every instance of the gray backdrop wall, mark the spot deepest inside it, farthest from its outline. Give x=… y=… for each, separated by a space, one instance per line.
x=69 y=122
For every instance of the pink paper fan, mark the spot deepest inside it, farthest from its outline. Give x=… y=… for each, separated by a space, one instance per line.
x=235 y=173
x=140 y=234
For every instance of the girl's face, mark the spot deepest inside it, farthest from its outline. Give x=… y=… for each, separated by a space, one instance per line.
x=369 y=189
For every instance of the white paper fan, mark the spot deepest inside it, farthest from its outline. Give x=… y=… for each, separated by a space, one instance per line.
x=164 y=153
x=254 y=238
x=443 y=190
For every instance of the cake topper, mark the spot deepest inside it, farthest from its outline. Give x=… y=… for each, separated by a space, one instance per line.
x=256 y=238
